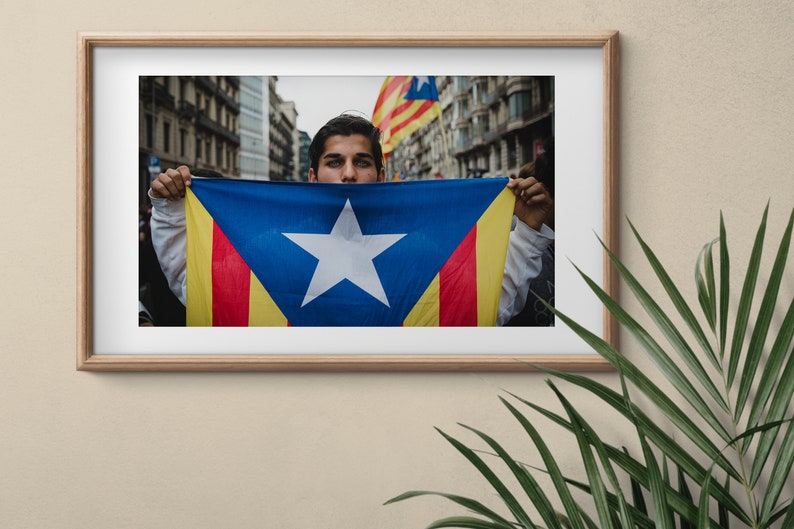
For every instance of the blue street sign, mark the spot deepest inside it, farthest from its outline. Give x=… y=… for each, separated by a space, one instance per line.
x=154 y=164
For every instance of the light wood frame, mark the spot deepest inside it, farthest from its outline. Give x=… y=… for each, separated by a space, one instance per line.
x=90 y=360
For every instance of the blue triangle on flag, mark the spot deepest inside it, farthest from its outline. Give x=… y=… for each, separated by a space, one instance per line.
x=422 y=87
x=434 y=215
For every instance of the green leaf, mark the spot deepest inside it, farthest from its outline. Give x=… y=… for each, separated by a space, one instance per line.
x=657 y=488
x=675 y=296
x=780 y=476
x=673 y=335
x=466 y=522
x=777 y=515
x=598 y=489
x=763 y=321
x=775 y=371
x=553 y=469
x=682 y=421
x=777 y=408
x=683 y=489
x=677 y=453
x=722 y=510
x=675 y=501
x=788 y=521
x=624 y=517
x=638 y=497
x=725 y=286
x=502 y=490
x=746 y=299
x=704 y=520
x=528 y=483
x=657 y=483
x=470 y=504
x=704 y=281
x=589 y=522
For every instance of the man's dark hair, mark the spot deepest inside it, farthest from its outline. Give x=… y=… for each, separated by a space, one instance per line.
x=346 y=125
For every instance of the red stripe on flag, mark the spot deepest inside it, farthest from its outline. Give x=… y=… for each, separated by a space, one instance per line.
x=458 y=285
x=383 y=122
x=231 y=283
x=386 y=91
x=413 y=117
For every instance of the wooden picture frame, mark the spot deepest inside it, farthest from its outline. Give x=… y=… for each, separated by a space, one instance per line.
x=587 y=126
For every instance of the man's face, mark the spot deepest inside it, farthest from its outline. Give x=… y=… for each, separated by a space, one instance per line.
x=347 y=160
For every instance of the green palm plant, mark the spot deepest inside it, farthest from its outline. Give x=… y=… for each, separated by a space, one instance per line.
x=722 y=459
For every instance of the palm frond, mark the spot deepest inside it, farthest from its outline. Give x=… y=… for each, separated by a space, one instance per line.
x=708 y=423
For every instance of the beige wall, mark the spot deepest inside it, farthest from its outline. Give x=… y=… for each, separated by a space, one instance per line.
x=707 y=123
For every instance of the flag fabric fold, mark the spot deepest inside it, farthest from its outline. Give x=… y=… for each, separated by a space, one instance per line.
x=422 y=253
x=405 y=104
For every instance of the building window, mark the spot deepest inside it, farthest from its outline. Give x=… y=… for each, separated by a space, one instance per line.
x=150 y=131
x=464 y=139
x=520 y=102
x=182 y=142
x=166 y=136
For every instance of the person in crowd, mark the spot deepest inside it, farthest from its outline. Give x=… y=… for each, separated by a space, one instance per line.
x=541 y=288
x=347 y=150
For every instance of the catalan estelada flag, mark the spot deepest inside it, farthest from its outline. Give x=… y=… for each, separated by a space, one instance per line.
x=404 y=104
x=427 y=253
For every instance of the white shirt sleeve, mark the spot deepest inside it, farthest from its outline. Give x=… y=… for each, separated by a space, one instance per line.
x=523 y=263
x=169 y=238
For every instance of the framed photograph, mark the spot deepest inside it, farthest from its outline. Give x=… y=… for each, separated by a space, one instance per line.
x=240 y=110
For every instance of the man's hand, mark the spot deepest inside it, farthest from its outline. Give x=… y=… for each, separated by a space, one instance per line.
x=172 y=183
x=533 y=201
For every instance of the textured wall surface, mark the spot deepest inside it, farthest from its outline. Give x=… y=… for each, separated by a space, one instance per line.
x=707 y=124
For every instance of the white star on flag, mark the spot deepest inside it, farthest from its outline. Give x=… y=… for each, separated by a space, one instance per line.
x=421 y=80
x=345 y=253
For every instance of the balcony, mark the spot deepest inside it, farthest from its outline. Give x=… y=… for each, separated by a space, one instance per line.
x=206 y=83
x=186 y=109
x=528 y=117
x=162 y=98
x=206 y=123
x=233 y=105
x=490 y=136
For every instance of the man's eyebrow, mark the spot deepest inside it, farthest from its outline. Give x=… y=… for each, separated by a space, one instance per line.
x=358 y=154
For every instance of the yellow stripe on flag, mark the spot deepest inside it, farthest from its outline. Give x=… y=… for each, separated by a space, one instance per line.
x=386 y=103
x=263 y=311
x=493 y=233
x=199 y=262
x=425 y=312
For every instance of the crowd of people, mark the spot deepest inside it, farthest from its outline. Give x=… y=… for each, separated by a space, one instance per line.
x=157 y=304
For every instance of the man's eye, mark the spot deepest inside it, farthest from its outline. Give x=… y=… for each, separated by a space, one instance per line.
x=363 y=163
x=334 y=163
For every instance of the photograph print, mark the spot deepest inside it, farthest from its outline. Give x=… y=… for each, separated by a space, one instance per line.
x=242 y=221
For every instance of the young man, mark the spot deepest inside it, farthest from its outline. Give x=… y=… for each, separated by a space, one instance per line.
x=347 y=150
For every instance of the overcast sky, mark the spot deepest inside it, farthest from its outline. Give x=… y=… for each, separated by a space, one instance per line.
x=319 y=98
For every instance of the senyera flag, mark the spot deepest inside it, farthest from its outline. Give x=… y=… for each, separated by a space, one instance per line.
x=405 y=103
x=420 y=253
